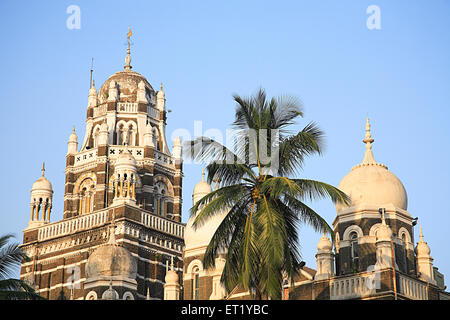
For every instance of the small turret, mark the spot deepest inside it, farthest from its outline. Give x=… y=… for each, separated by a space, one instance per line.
x=161 y=100
x=72 y=145
x=41 y=201
x=92 y=99
x=424 y=261
x=324 y=259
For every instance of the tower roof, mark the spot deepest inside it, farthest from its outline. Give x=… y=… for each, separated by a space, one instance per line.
x=371 y=183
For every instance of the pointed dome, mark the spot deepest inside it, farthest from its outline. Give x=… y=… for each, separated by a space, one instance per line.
x=371 y=183
x=324 y=244
x=111 y=260
x=73 y=136
x=200 y=236
x=42 y=184
x=422 y=248
x=125 y=159
x=160 y=94
x=202 y=188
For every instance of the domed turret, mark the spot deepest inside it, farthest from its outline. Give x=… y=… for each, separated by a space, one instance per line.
x=201 y=189
x=72 y=145
x=125 y=178
x=41 y=201
x=324 y=244
x=371 y=183
x=92 y=99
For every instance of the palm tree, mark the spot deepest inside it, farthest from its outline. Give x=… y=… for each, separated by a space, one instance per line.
x=11 y=256
x=264 y=206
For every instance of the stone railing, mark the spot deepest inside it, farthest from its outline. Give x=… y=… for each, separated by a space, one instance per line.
x=85 y=156
x=68 y=226
x=153 y=112
x=100 y=110
x=127 y=107
x=352 y=287
x=163 y=159
x=161 y=224
x=412 y=289
x=137 y=152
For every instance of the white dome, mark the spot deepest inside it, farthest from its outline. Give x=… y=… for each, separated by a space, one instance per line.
x=125 y=160
x=201 y=189
x=42 y=184
x=171 y=277
x=324 y=244
x=374 y=185
x=371 y=183
x=201 y=236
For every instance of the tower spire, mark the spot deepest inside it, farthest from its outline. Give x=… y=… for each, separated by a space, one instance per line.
x=92 y=70
x=128 y=57
x=43 y=168
x=368 y=156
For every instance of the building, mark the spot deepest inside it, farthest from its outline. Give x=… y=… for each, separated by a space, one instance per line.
x=374 y=245
x=122 y=201
x=121 y=236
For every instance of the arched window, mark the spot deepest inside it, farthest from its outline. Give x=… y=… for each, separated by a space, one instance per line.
x=86 y=196
x=196 y=284
x=354 y=247
x=160 y=194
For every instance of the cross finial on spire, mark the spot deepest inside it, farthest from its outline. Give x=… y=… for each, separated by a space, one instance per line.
x=43 y=168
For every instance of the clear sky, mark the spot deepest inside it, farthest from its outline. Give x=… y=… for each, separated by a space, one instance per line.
x=204 y=51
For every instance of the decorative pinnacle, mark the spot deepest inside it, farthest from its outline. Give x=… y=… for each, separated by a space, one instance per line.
x=128 y=57
x=203 y=174
x=421 y=234
x=171 y=264
x=161 y=86
x=368 y=140
x=43 y=168
x=368 y=156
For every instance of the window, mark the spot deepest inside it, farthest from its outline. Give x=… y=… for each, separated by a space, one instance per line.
x=196 y=285
x=354 y=245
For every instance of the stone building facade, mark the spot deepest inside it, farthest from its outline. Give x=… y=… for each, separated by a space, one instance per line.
x=122 y=201
x=372 y=256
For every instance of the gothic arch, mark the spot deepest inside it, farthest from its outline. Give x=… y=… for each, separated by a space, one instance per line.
x=126 y=131
x=349 y=230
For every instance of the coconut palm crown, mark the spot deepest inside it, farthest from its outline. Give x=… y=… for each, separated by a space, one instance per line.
x=11 y=256
x=264 y=204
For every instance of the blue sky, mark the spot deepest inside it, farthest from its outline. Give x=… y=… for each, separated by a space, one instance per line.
x=319 y=51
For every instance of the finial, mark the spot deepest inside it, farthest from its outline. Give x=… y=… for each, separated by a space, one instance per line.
x=43 y=168
x=128 y=57
x=161 y=86
x=171 y=264
x=93 y=83
x=368 y=156
x=421 y=234
x=73 y=130
x=383 y=220
x=148 y=293
x=112 y=235
x=368 y=140
x=203 y=174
